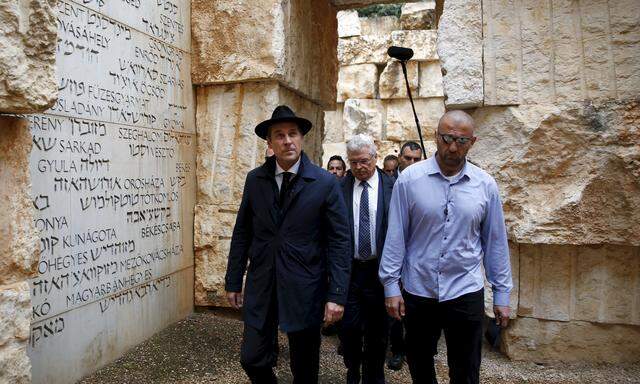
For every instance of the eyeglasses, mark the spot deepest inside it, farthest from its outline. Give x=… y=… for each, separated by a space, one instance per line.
x=355 y=163
x=448 y=139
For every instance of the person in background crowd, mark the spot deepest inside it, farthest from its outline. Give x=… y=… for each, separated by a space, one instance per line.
x=292 y=231
x=367 y=191
x=410 y=153
x=337 y=166
x=390 y=166
x=445 y=224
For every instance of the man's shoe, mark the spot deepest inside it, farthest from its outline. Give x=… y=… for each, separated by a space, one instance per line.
x=394 y=363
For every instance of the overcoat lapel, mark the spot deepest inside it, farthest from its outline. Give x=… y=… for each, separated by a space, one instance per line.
x=268 y=192
x=305 y=176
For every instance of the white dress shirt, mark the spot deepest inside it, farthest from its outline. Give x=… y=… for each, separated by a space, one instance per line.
x=373 y=207
x=280 y=171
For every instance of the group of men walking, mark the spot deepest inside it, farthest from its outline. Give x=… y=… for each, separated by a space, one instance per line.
x=364 y=246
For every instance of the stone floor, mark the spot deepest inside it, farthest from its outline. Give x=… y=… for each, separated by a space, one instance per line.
x=204 y=348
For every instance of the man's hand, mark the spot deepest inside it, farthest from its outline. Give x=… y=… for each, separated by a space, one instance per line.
x=395 y=307
x=502 y=315
x=235 y=299
x=332 y=313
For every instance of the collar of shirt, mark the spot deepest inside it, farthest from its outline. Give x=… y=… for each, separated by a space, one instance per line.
x=294 y=168
x=372 y=181
x=432 y=167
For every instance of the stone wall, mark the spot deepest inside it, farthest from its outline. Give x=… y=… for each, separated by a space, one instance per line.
x=372 y=96
x=256 y=56
x=555 y=91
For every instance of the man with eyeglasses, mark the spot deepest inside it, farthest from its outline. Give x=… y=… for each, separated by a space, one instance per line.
x=445 y=221
x=367 y=192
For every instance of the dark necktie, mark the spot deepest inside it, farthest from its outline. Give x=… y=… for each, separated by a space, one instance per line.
x=286 y=179
x=364 y=228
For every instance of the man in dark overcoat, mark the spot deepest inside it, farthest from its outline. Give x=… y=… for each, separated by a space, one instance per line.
x=296 y=278
x=367 y=192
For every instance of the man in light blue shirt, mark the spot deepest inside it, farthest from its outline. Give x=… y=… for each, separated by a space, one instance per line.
x=445 y=221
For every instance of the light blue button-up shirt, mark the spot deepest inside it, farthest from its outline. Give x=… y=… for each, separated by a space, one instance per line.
x=440 y=231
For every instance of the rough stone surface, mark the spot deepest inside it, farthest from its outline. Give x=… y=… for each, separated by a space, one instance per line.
x=333 y=132
x=28 y=37
x=352 y=4
x=392 y=83
x=421 y=15
x=268 y=39
x=386 y=147
x=559 y=51
x=460 y=52
x=348 y=24
x=381 y=26
x=15 y=315
x=565 y=171
x=363 y=49
x=423 y=43
x=228 y=149
x=553 y=341
x=19 y=246
x=430 y=79
x=363 y=116
x=359 y=81
x=587 y=283
x=401 y=125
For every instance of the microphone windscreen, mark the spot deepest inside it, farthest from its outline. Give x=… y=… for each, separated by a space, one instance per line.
x=400 y=53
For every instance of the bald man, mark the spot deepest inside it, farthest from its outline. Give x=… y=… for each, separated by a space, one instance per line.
x=445 y=222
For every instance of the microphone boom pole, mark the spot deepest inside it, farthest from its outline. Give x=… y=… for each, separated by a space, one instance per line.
x=403 y=55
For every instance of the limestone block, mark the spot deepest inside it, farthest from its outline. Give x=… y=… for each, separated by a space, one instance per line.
x=333 y=131
x=392 y=82
x=357 y=82
x=430 y=79
x=331 y=149
x=401 y=124
x=553 y=341
x=210 y=270
x=381 y=26
x=565 y=170
x=588 y=283
x=514 y=253
x=348 y=24
x=460 y=51
x=19 y=249
x=423 y=43
x=386 y=147
x=28 y=40
x=268 y=39
x=15 y=315
x=421 y=15
x=363 y=116
x=363 y=49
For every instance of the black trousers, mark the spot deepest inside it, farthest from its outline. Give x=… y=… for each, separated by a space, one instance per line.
x=461 y=320
x=396 y=337
x=259 y=352
x=364 y=325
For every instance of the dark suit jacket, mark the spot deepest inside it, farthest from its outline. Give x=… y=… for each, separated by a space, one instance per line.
x=385 y=188
x=298 y=253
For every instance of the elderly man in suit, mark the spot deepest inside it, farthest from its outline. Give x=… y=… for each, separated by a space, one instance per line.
x=296 y=277
x=367 y=191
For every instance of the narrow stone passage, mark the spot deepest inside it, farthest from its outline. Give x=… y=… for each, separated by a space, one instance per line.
x=204 y=348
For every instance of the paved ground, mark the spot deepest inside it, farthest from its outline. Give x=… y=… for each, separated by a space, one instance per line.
x=204 y=348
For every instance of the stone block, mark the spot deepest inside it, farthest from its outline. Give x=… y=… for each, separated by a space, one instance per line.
x=363 y=49
x=430 y=79
x=210 y=270
x=423 y=43
x=548 y=341
x=385 y=148
x=28 y=39
x=331 y=149
x=460 y=47
x=19 y=249
x=359 y=81
x=401 y=125
x=363 y=116
x=268 y=39
x=348 y=24
x=420 y=15
x=15 y=317
x=567 y=199
x=333 y=131
x=392 y=82
x=381 y=26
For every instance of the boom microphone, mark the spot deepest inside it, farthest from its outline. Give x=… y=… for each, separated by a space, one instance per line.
x=400 y=53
